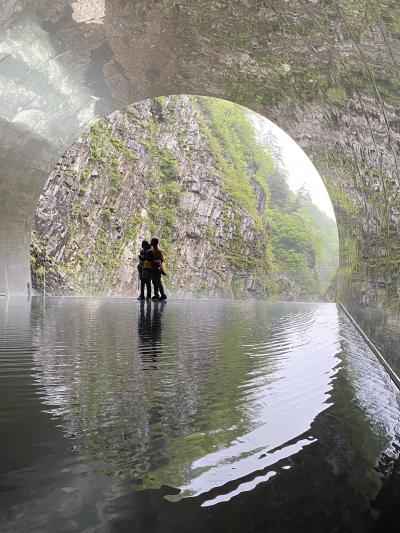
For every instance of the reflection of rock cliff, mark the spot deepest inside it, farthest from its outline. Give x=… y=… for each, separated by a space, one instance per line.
x=189 y=171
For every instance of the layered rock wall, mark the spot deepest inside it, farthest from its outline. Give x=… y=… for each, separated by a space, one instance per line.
x=145 y=172
x=159 y=169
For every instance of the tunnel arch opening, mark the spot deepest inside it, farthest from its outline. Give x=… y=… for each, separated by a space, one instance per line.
x=327 y=74
x=207 y=177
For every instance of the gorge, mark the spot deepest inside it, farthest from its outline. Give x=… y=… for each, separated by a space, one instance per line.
x=190 y=171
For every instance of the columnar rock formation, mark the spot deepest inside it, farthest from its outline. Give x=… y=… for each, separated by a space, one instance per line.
x=326 y=72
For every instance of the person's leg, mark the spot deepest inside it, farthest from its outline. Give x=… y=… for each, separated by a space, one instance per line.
x=163 y=296
x=156 y=275
x=148 y=288
x=142 y=282
x=146 y=276
x=159 y=285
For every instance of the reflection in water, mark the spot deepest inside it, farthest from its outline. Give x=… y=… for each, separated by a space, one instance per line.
x=149 y=330
x=170 y=410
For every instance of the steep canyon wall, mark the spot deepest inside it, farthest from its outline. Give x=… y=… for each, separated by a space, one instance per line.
x=187 y=170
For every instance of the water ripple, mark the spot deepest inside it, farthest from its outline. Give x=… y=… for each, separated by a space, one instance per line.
x=215 y=399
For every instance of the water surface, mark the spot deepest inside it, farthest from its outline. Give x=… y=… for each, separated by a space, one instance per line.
x=188 y=416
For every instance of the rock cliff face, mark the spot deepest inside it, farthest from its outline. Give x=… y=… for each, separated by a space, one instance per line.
x=157 y=169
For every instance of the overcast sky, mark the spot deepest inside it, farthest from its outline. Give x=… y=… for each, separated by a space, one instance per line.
x=300 y=170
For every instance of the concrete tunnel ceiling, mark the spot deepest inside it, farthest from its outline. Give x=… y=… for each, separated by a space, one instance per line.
x=325 y=71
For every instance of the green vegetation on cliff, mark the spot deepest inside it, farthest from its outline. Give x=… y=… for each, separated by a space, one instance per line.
x=300 y=241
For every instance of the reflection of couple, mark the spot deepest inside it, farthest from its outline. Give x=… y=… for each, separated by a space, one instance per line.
x=150 y=270
x=150 y=329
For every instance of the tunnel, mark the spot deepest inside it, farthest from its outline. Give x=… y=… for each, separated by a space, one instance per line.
x=326 y=72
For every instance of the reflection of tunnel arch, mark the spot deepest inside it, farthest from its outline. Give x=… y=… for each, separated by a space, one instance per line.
x=326 y=73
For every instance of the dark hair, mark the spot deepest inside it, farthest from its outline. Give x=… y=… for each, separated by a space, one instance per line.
x=154 y=242
x=145 y=245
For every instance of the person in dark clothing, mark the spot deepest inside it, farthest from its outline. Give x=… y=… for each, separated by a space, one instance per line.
x=145 y=269
x=158 y=271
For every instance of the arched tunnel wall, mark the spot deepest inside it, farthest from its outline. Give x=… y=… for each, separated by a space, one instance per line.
x=326 y=72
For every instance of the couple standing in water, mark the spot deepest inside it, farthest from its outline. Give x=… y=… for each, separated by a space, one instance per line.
x=150 y=270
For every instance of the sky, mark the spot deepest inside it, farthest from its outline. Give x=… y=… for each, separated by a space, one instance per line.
x=300 y=170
